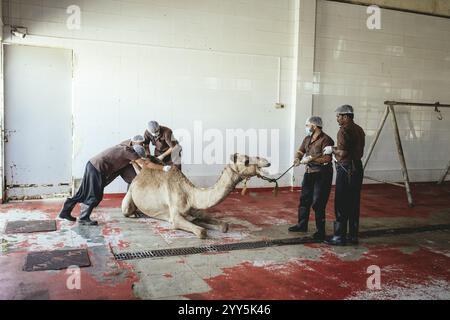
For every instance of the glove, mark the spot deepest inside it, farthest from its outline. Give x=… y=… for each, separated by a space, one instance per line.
x=297 y=162
x=306 y=160
x=328 y=150
x=166 y=168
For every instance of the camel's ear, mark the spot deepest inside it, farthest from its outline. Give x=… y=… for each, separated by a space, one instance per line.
x=247 y=161
x=234 y=157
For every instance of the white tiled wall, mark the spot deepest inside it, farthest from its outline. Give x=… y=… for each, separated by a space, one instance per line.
x=407 y=60
x=303 y=76
x=1 y=88
x=247 y=26
x=217 y=61
x=176 y=61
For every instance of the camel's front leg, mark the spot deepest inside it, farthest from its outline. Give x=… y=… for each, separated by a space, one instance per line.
x=222 y=226
x=202 y=219
x=179 y=222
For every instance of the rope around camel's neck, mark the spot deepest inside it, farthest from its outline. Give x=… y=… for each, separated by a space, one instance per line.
x=247 y=178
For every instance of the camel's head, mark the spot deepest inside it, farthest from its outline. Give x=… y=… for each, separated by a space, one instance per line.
x=248 y=166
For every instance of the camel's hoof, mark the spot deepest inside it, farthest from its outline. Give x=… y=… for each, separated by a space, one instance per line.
x=224 y=227
x=140 y=215
x=203 y=234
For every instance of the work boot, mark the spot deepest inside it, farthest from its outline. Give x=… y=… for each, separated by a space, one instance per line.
x=320 y=226
x=66 y=210
x=336 y=241
x=339 y=235
x=353 y=231
x=85 y=216
x=303 y=218
x=67 y=216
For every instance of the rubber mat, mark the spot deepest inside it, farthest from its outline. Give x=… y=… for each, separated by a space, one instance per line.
x=56 y=260
x=29 y=226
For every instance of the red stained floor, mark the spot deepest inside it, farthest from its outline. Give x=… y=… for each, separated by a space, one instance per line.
x=330 y=277
x=17 y=284
x=377 y=201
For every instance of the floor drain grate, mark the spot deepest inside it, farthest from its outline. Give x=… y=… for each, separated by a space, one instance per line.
x=210 y=248
x=171 y=252
x=400 y=231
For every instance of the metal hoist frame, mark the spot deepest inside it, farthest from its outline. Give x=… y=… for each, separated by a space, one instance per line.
x=390 y=109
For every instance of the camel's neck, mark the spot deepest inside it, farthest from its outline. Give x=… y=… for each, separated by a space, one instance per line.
x=206 y=198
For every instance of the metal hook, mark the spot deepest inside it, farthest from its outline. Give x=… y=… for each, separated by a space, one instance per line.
x=436 y=109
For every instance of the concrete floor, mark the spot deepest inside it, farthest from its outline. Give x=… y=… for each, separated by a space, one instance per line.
x=413 y=266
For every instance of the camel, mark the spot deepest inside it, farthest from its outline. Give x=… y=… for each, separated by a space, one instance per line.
x=170 y=196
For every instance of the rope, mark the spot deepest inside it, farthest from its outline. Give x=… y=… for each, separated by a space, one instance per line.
x=275 y=180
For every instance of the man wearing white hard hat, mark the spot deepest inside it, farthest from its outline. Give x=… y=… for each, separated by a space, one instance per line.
x=318 y=177
x=349 y=177
x=129 y=173
x=167 y=148
x=100 y=171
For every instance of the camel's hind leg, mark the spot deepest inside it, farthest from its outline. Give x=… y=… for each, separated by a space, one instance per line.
x=202 y=219
x=128 y=207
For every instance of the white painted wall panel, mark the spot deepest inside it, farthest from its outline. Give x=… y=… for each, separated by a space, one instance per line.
x=407 y=60
x=217 y=61
x=173 y=61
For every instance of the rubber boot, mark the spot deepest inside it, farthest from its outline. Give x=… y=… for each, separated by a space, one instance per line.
x=66 y=211
x=339 y=238
x=302 y=225
x=85 y=216
x=352 y=237
x=319 y=235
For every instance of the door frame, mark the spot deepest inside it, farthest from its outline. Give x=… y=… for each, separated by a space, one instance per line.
x=2 y=126
x=3 y=194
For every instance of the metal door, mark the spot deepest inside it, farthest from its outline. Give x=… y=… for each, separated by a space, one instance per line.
x=38 y=121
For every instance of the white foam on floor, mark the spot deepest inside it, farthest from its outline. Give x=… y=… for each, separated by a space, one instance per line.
x=41 y=241
x=433 y=290
x=23 y=215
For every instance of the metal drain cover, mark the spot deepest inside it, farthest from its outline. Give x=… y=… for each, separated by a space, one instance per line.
x=29 y=226
x=56 y=260
x=210 y=248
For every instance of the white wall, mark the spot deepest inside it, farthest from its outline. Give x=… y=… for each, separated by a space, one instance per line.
x=179 y=61
x=1 y=106
x=305 y=27
x=407 y=60
x=173 y=61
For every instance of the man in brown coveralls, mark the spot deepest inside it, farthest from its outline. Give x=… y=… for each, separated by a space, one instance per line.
x=167 y=148
x=100 y=171
x=318 y=177
x=349 y=178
